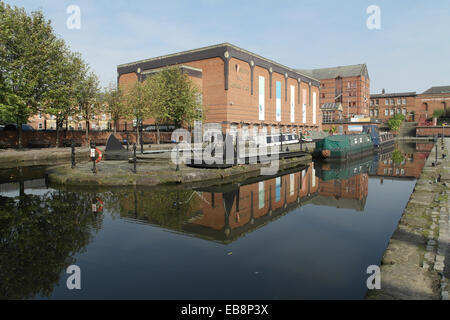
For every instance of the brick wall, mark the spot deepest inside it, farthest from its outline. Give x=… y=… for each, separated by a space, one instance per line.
x=8 y=139
x=432 y=131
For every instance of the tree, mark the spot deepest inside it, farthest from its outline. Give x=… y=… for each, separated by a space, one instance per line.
x=29 y=54
x=174 y=98
x=61 y=100
x=87 y=94
x=138 y=104
x=395 y=122
x=114 y=100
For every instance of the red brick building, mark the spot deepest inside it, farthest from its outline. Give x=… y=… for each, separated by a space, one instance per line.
x=385 y=105
x=433 y=99
x=241 y=90
x=346 y=89
x=416 y=107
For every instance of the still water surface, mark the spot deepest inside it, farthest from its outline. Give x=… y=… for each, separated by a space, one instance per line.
x=309 y=233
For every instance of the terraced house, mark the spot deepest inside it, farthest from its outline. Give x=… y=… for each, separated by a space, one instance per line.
x=241 y=90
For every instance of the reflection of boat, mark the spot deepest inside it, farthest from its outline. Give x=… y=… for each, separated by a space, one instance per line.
x=336 y=171
x=344 y=185
x=343 y=147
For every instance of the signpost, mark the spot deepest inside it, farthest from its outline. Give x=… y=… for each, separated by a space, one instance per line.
x=94 y=169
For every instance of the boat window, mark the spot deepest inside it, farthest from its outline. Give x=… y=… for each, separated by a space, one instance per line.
x=356 y=140
x=360 y=139
x=269 y=139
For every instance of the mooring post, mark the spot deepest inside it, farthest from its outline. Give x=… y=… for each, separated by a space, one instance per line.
x=94 y=169
x=178 y=157
x=301 y=141
x=237 y=149
x=141 y=140
x=134 y=158
x=281 y=141
x=73 y=154
x=436 y=152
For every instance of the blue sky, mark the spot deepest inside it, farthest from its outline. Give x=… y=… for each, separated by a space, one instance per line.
x=411 y=51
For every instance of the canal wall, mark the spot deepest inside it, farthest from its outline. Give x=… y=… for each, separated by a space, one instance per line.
x=416 y=263
x=12 y=158
x=160 y=170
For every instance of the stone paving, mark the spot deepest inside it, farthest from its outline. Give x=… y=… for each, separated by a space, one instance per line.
x=416 y=264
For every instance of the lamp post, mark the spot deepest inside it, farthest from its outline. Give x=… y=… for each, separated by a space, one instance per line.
x=134 y=158
x=73 y=154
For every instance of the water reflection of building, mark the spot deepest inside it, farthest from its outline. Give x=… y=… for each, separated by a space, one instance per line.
x=226 y=212
x=407 y=164
x=344 y=185
x=229 y=212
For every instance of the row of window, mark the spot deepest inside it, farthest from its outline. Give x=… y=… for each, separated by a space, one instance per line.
x=388 y=112
x=80 y=126
x=80 y=117
x=388 y=101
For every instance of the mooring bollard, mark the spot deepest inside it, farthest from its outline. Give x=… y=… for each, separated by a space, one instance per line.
x=134 y=158
x=73 y=154
x=94 y=169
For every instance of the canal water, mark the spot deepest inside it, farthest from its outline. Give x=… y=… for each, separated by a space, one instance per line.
x=308 y=233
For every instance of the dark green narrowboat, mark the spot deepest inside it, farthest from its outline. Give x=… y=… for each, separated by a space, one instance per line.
x=344 y=147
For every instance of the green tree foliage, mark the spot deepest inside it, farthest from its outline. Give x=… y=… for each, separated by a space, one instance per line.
x=395 y=122
x=61 y=100
x=175 y=98
x=38 y=72
x=138 y=104
x=114 y=100
x=87 y=94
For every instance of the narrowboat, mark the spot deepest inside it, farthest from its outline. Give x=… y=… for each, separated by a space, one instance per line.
x=344 y=147
x=380 y=140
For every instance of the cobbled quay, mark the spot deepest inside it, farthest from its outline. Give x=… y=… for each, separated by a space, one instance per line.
x=416 y=264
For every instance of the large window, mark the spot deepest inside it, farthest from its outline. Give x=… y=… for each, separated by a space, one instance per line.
x=386 y=102
x=404 y=101
x=327 y=116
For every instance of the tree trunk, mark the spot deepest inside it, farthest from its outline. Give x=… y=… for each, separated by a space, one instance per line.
x=115 y=126
x=157 y=134
x=57 y=134
x=87 y=132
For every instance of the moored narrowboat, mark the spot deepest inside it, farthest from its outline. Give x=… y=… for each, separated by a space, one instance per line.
x=344 y=147
x=380 y=139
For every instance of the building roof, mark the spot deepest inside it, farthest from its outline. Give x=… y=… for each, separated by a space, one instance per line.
x=392 y=95
x=212 y=51
x=438 y=90
x=331 y=106
x=334 y=72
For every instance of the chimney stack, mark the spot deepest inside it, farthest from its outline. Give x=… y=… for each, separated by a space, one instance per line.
x=383 y=91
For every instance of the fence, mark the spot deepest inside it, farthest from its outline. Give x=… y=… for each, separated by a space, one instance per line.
x=47 y=138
